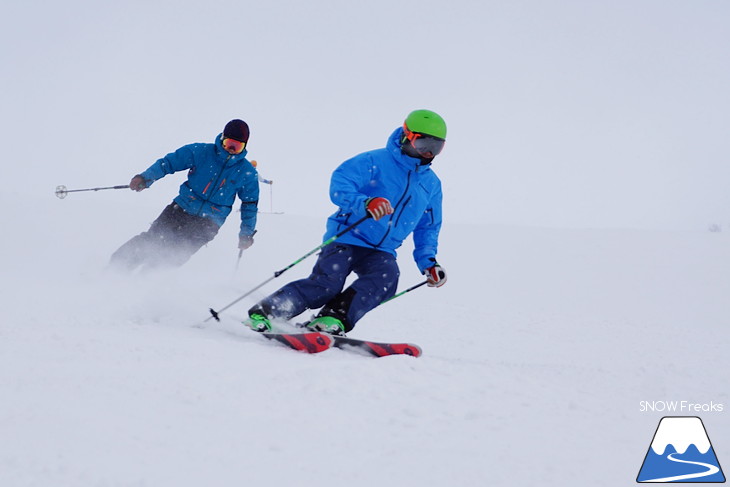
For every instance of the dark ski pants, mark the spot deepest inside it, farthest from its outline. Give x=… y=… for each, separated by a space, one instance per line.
x=377 y=280
x=171 y=240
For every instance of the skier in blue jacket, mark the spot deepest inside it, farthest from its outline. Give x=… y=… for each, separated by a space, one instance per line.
x=397 y=188
x=216 y=174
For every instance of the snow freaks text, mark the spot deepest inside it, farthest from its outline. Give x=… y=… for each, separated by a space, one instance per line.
x=680 y=407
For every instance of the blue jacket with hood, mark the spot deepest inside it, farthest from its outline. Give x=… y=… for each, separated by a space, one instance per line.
x=413 y=190
x=215 y=177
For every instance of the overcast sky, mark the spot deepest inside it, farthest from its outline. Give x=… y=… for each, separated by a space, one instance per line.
x=606 y=113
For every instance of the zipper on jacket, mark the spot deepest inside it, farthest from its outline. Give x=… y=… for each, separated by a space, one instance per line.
x=430 y=213
x=207 y=186
x=405 y=192
x=402 y=210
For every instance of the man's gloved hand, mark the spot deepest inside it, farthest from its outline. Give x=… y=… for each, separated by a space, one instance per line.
x=436 y=276
x=138 y=183
x=245 y=241
x=378 y=207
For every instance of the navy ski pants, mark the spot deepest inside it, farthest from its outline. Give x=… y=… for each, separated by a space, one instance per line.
x=377 y=280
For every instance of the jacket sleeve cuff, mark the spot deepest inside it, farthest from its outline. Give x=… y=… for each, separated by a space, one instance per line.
x=148 y=178
x=425 y=262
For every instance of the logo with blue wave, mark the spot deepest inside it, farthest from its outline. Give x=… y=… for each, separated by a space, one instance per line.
x=681 y=452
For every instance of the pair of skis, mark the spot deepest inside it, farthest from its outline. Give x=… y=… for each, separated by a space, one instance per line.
x=315 y=342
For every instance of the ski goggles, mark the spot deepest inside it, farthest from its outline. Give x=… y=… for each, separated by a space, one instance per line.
x=233 y=146
x=425 y=145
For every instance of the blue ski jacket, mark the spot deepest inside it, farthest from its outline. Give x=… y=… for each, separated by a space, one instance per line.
x=413 y=189
x=215 y=177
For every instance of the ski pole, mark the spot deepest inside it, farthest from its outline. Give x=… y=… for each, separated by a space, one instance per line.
x=62 y=192
x=240 y=253
x=214 y=313
x=404 y=292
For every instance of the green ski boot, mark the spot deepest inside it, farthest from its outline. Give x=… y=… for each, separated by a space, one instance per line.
x=258 y=323
x=327 y=324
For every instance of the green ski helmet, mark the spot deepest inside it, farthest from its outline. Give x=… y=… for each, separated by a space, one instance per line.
x=424 y=134
x=426 y=122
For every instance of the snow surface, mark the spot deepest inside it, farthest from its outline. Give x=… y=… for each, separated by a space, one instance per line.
x=537 y=353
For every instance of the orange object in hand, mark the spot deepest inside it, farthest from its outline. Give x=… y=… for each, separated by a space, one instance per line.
x=378 y=207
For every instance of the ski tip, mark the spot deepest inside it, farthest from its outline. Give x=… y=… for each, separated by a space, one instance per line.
x=411 y=349
x=378 y=349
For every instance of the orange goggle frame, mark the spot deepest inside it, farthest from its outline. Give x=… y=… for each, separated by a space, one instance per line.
x=426 y=145
x=233 y=145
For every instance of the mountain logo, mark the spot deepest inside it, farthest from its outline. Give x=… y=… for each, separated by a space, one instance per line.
x=680 y=452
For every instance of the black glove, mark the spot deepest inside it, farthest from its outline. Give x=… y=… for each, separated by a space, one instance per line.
x=245 y=241
x=137 y=183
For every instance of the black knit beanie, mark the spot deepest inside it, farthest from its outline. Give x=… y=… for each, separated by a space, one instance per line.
x=236 y=129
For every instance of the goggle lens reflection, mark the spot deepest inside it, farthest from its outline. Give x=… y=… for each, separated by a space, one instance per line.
x=426 y=145
x=233 y=145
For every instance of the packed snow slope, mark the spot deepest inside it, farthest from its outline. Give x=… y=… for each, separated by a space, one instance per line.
x=537 y=354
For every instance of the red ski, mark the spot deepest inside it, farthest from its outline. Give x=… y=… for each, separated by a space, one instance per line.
x=377 y=349
x=310 y=342
x=315 y=342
